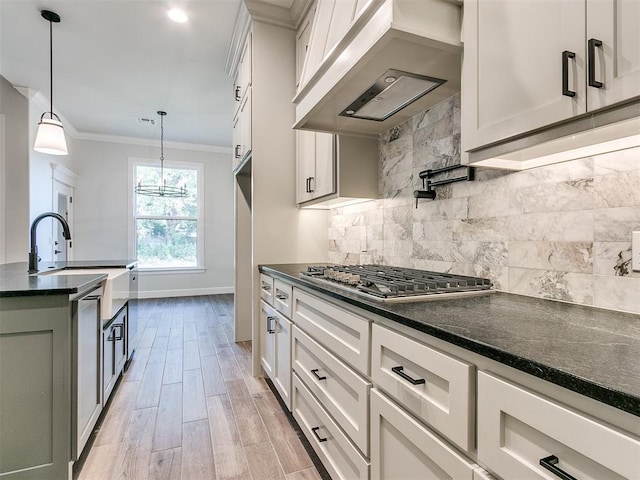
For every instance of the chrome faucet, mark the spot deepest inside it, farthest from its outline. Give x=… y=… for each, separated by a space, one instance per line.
x=33 y=254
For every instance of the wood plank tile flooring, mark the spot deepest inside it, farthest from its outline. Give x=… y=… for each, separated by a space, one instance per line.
x=188 y=407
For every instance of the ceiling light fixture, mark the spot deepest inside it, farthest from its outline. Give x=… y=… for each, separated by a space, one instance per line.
x=161 y=190
x=50 y=137
x=177 y=15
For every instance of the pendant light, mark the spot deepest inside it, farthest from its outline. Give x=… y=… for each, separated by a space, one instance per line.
x=162 y=190
x=50 y=137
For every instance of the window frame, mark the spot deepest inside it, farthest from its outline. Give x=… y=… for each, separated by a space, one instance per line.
x=134 y=162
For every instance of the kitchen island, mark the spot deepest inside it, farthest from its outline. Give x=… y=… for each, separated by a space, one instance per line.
x=51 y=364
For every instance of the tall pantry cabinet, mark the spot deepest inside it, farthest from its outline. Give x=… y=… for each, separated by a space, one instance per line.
x=270 y=229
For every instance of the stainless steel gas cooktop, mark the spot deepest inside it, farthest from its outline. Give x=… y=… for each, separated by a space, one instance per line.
x=395 y=284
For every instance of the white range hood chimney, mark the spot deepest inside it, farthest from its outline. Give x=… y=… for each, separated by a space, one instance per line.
x=397 y=58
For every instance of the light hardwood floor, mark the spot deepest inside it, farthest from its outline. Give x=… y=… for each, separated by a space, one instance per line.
x=188 y=407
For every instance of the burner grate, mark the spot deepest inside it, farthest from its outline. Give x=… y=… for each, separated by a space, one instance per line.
x=388 y=282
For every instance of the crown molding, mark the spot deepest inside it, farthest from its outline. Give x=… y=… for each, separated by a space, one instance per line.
x=149 y=142
x=240 y=32
x=299 y=10
x=272 y=14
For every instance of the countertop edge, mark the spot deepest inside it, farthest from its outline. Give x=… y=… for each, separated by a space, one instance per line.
x=615 y=398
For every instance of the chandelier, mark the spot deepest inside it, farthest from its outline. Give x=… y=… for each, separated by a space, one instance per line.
x=161 y=190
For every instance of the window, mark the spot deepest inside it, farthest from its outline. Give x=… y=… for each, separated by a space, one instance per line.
x=168 y=231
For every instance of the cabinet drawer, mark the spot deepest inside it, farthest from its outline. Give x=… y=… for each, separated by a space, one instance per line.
x=283 y=292
x=266 y=288
x=338 y=455
x=344 y=393
x=345 y=334
x=517 y=429
x=442 y=395
x=402 y=448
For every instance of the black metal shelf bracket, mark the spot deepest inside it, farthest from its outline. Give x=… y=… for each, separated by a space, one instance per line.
x=428 y=185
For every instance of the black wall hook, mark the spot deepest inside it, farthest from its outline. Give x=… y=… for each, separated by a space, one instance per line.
x=427 y=185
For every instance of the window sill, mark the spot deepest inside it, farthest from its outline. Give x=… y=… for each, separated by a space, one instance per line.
x=170 y=271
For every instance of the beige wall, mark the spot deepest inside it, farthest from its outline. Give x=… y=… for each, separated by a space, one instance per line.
x=14 y=192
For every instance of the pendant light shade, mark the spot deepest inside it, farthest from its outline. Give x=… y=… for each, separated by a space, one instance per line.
x=50 y=137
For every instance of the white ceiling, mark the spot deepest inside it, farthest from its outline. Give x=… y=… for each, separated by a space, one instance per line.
x=116 y=60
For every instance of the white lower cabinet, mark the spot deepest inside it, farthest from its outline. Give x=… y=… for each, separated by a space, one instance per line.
x=344 y=333
x=524 y=435
x=343 y=392
x=403 y=449
x=275 y=350
x=434 y=386
x=282 y=367
x=341 y=459
x=268 y=319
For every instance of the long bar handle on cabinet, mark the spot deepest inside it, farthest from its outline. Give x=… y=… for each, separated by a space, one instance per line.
x=315 y=432
x=238 y=96
x=237 y=153
x=550 y=463
x=566 y=55
x=121 y=327
x=266 y=287
x=282 y=296
x=271 y=324
x=307 y=185
x=312 y=179
x=593 y=44
x=315 y=372
x=399 y=371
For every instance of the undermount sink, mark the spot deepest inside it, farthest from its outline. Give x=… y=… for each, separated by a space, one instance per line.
x=115 y=287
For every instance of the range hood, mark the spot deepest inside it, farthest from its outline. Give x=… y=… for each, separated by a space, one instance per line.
x=397 y=59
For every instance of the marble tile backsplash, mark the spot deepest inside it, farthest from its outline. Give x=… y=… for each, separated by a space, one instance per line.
x=561 y=232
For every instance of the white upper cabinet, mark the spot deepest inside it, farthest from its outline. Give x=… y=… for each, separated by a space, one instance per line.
x=316 y=161
x=513 y=67
x=616 y=24
x=539 y=66
x=335 y=169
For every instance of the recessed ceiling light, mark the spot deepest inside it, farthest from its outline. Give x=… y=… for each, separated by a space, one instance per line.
x=177 y=15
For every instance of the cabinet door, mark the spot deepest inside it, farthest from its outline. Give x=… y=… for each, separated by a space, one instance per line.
x=617 y=59
x=108 y=364
x=268 y=320
x=432 y=385
x=87 y=351
x=245 y=67
x=120 y=342
x=245 y=128
x=302 y=42
x=282 y=367
x=403 y=449
x=323 y=182
x=518 y=431
x=305 y=162
x=237 y=142
x=513 y=66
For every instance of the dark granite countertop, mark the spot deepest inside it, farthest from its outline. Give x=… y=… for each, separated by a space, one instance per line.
x=15 y=281
x=591 y=351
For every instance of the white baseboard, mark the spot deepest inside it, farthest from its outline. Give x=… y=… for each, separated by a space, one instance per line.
x=187 y=292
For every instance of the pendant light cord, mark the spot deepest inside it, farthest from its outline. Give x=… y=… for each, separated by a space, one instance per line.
x=51 y=64
x=162 y=149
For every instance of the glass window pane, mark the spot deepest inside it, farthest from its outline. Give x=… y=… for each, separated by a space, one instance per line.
x=166 y=243
x=163 y=206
